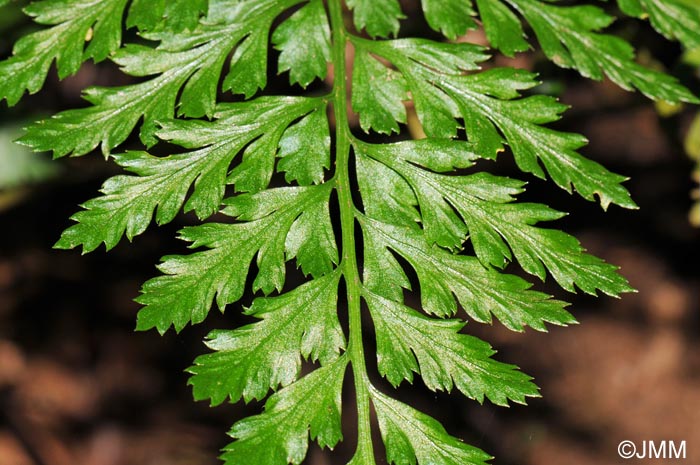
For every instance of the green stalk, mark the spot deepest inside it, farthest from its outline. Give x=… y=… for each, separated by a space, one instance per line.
x=347 y=223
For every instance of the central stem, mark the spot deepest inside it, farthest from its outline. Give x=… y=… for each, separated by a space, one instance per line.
x=347 y=223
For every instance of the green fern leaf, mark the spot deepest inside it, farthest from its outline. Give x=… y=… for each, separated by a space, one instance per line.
x=304 y=44
x=305 y=149
x=416 y=209
x=489 y=216
x=408 y=342
x=569 y=37
x=146 y=14
x=307 y=408
x=174 y=15
x=273 y=228
x=452 y=17
x=502 y=27
x=488 y=102
x=253 y=359
x=675 y=19
x=80 y=31
x=380 y=18
x=162 y=184
x=444 y=277
x=186 y=65
x=378 y=95
x=411 y=436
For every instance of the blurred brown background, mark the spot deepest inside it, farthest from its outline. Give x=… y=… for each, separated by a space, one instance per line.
x=79 y=387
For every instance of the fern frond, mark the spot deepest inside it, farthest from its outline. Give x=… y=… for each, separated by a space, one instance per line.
x=411 y=202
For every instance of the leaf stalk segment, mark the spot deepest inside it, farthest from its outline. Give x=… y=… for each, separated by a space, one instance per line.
x=347 y=220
